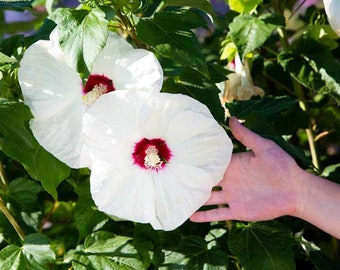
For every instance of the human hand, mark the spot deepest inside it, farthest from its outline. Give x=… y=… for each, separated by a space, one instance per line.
x=258 y=185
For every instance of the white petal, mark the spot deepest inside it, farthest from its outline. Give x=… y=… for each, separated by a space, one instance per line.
x=123 y=192
x=180 y=191
x=199 y=141
x=53 y=92
x=129 y=68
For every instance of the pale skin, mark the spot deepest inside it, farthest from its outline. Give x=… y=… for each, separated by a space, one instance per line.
x=266 y=183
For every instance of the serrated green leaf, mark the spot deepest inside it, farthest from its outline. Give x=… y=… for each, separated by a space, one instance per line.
x=262 y=245
x=249 y=32
x=34 y=254
x=104 y=250
x=24 y=192
x=83 y=34
x=170 y=35
x=244 y=6
x=17 y=141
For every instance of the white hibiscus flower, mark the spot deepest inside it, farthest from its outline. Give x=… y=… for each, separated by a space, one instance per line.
x=58 y=98
x=155 y=158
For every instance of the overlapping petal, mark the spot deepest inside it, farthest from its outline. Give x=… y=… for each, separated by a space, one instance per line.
x=55 y=92
x=200 y=152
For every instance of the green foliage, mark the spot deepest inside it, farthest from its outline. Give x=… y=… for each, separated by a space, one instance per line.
x=48 y=219
x=83 y=34
x=35 y=253
x=169 y=33
x=262 y=246
x=18 y=142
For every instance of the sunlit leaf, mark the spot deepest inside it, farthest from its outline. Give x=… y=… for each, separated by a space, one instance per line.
x=244 y=6
x=104 y=250
x=314 y=66
x=83 y=34
x=35 y=253
x=249 y=32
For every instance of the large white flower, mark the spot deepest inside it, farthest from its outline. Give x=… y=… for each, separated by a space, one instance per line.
x=58 y=98
x=155 y=158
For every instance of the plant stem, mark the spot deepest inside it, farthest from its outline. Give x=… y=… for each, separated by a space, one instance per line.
x=3 y=176
x=130 y=28
x=11 y=219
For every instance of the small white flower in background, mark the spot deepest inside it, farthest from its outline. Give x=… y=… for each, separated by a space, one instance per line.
x=154 y=158
x=239 y=85
x=332 y=8
x=58 y=98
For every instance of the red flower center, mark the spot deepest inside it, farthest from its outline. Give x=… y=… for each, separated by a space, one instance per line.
x=96 y=86
x=152 y=154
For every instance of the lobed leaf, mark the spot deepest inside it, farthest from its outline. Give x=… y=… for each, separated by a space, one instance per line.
x=249 y=32
x=35 y=253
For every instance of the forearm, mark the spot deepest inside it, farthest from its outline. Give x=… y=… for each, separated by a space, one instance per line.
x=318 y=203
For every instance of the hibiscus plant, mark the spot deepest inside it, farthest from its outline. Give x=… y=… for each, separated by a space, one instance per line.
x=114 y=128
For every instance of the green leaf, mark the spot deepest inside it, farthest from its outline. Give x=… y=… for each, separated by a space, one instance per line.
x=204 y=5
x=262 y=245
x=11 y=258
x=37 y=251
x=24 y=192
x=250 y=32
x=192 y=84
x=314 y=66
x=104 y=250
x=244 y=6
x=34 y=254
x=17 y=141
x=83 y=34
x=147 y=242
x=170 y=35
x=197 y=255
x=6 y=59
x=87 y=218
